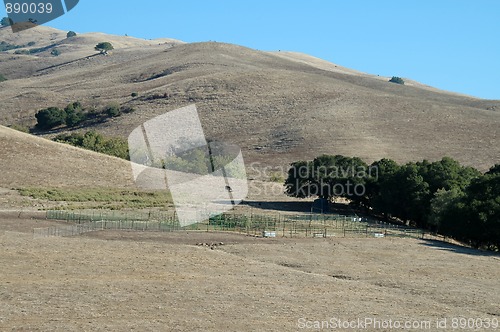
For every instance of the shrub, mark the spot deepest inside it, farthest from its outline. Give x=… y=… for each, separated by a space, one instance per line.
x=25 y=52
x=4 y=46
x=277 y=177
x=73 y=119
x=397 y=80
x=31 y=43
x=71 y=34
x=50 y=117
x=2 y=78
x=55 y=52
x=127 y=109
x=113 y=110
x=20 y=128
x=134 y=94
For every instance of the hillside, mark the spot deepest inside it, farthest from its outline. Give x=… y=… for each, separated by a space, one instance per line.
x=29 y=161
x=279 y=107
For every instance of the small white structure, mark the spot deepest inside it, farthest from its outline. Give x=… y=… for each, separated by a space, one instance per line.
x=268 y=234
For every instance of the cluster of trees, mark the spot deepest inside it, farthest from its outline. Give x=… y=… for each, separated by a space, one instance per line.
x=75 y=115
x=441 y=196
x=193 y=158
x=97 y=142
x=4 y=46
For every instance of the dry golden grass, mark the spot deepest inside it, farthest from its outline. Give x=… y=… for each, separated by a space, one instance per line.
x=162 y=281
x=29 y=161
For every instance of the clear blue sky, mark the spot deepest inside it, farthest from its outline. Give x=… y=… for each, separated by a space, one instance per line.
x=450 y=44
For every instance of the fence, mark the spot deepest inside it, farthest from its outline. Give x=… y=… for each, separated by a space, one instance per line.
x=301 y=225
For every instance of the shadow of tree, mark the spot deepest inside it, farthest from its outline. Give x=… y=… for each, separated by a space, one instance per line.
x=440 y=245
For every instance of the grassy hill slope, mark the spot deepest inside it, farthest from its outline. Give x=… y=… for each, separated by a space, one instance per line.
x=279 y=107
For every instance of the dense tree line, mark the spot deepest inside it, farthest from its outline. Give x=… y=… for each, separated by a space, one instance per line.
x=97 y=142
x=74 y=114
x=441 y=196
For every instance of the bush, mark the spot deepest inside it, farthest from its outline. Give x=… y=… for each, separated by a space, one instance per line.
x=134 y=94
x=20 y=128
x=71 y=34
x=31 y=43
x=25 y=52
x=113 y=110
x=73 y=119
x=50 y=117
x=397 y=80
x=277 y=177
x=55 y=52
x=127 y=109
x=4 y=46
x=2 y=78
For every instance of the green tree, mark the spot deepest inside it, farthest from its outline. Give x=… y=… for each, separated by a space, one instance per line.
x=379 y=186
x=104 y=47
x=74 y=114
x=5 y=21
x=442 y=202
x=2 y=78
x=397 y=80
x=481 y=210
x=411 y=195
x=50 y=118
x=447 y=174
x=494 y=170
x=300 y=180
x=55 y=52
x=70 y=34
x=327 y=177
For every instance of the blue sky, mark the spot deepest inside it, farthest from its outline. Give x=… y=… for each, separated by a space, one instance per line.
x=450 y=44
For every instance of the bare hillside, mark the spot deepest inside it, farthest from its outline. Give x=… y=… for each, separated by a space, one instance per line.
x=279 y=107
x=29 y=161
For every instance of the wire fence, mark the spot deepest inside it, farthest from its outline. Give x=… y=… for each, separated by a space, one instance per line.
x=277 y=225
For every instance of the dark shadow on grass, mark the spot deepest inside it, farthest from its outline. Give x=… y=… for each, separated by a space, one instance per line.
x=440 y=245
x=289 y=206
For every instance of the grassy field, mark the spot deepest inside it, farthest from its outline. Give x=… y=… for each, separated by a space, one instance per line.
x=101 y=198
x=118 y=281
